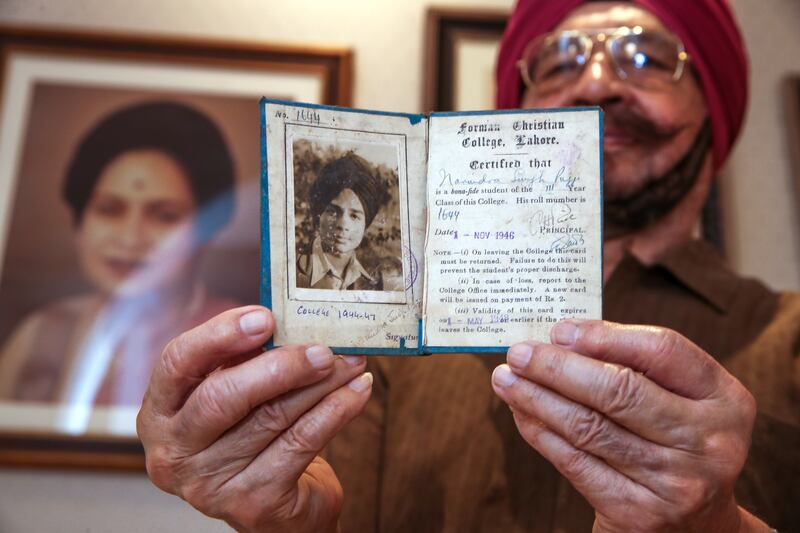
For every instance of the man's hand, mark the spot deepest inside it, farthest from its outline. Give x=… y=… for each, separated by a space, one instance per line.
x=236 y=431
x=645 y=424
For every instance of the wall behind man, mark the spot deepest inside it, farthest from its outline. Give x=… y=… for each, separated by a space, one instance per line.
x=387 y=37
x=763 y=221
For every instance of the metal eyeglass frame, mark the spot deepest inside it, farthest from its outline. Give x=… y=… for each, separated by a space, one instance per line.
x=607 y=36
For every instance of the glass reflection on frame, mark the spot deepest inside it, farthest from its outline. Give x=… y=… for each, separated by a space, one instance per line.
x=128 y=213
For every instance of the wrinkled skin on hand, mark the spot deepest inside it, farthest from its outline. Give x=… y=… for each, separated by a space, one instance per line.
x=236 y=431
x=646 y=425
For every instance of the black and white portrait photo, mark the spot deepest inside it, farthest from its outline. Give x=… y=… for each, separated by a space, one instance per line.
x=347 y=238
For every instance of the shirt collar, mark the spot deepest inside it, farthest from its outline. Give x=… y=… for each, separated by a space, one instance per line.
x=700 y=268
x=320 y=267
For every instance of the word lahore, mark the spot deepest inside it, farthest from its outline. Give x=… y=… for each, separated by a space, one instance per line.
x=499 y=227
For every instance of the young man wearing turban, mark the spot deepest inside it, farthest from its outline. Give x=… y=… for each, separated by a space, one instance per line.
x=344 y=200
x=611 y=427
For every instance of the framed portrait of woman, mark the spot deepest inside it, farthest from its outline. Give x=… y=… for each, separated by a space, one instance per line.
x=129 y=171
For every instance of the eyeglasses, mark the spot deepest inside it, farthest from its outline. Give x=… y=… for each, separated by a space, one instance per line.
x=647 y=59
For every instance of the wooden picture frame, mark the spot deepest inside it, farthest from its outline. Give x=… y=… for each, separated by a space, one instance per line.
x=56 y=86
x=458 y=38
x=791 y=90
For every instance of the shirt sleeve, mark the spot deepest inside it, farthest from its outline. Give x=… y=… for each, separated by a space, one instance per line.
x=770 y=369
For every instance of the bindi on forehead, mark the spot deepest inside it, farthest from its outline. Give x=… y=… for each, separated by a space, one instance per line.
x=135 y=178
x=145 y=174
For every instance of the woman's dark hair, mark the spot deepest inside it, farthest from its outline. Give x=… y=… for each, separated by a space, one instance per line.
x=347 y=172
x=181 y=132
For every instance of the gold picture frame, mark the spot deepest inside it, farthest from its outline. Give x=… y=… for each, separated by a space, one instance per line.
x=55 y=85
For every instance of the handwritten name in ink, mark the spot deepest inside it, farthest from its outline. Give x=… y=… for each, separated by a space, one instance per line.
x=559 y=182
x=448 y=179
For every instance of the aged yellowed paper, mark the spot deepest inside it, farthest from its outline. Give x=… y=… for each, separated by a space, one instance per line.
x=514 y=225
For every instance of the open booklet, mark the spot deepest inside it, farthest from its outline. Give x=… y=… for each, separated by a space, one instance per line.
x=391 y=233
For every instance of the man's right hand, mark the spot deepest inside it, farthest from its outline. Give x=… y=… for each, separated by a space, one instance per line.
x=236 y=432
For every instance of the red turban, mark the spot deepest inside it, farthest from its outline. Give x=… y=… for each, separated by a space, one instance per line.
x=706 y=27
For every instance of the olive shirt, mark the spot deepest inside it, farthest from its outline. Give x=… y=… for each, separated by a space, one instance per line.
x=436 y=450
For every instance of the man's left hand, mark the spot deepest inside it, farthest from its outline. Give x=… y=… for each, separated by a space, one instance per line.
x=646 y=425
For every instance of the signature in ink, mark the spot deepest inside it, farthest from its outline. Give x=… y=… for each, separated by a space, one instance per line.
x=553 y=217
x=567 y=241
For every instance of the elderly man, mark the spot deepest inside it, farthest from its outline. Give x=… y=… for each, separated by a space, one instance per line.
x=629 y=428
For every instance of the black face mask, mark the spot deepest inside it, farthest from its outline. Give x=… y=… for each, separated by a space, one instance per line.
x=639 y=210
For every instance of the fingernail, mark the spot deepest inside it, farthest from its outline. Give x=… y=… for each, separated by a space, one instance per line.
x=353 y=359
x=254 y=322
x=361 y=383
x=519 y=355
x=565 y=333
x=503 y=376
x=319 y=356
